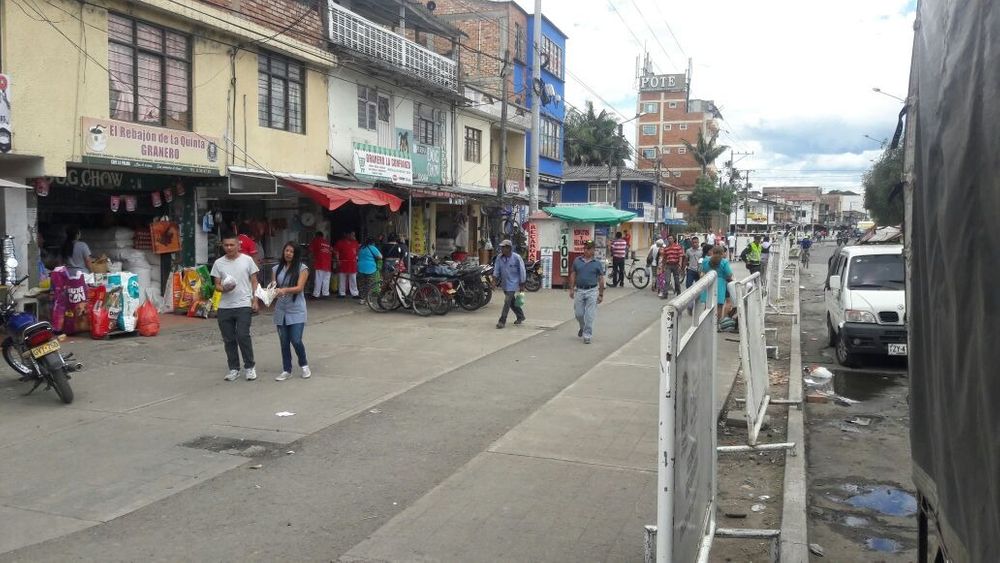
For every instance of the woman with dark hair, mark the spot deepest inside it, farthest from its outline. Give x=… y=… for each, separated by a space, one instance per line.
x=290 y=276
x=368 y=258
x=75 y=253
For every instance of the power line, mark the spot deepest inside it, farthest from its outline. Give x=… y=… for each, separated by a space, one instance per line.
x=657 y=6
x=645 y=20
x=627 y=26
x=594 y=92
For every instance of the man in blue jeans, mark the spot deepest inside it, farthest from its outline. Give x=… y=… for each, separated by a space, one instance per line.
x=510 y=276
x=586 y=289
x=692 y=257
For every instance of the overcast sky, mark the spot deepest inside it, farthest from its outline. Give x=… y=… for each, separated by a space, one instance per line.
x=793 y=78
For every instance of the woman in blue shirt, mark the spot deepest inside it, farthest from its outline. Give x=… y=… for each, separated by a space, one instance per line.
x=724 y=274
x=368 y=257
x=290 y=275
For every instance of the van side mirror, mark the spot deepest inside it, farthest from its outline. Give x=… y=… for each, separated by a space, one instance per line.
x=834 y=281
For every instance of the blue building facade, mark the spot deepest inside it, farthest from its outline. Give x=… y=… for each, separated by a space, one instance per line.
x=553 y=105
x=589 y=184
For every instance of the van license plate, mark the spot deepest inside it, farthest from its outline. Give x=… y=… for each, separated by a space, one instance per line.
x=897 y=349
x=48 y=348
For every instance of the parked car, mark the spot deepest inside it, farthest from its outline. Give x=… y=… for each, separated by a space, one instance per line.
x=866 y=302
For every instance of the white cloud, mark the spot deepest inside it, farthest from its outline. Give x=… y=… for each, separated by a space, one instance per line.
x=793 y=78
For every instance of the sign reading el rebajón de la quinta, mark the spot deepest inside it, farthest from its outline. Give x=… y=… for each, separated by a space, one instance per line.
x=132 y=145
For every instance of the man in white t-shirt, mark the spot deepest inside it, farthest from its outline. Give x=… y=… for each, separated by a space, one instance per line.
x=235 y=275
x=732 y=245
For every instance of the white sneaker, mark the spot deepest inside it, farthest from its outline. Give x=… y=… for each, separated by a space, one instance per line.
x=251 y=373
x=232 y=375
x=306 y=372
x=284 y=375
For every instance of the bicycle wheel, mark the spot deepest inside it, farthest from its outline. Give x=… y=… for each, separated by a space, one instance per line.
x=639 y=278
x=388 y=300
x=426 y=299
x=374 y=296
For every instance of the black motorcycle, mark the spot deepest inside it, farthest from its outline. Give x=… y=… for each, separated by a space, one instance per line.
x=32 y=349
x=533 y=270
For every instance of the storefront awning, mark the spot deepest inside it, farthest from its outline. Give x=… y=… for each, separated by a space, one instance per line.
x=600 y=215
x=332 y=198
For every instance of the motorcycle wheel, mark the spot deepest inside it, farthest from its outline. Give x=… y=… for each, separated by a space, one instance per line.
x=639 y=278
x=56 y=373
x=533 y=283
x=469 y=298
x=13 y=358
x=487 y=295
x=426 y=298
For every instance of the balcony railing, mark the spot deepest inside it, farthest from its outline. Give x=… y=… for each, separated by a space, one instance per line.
x=358 y=34
x=514 y=179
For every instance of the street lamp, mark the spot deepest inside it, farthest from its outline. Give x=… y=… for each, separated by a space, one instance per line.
x=882 y=142
x=884 y=93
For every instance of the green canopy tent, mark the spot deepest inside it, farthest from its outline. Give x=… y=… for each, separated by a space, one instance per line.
x=597 y=214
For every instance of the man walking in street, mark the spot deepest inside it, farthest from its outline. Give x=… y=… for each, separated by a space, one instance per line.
x=235 y=274
x=586 y=289
x=510 y=276
x=692 y=259
x=322 y=260
x=765 y=254
x=754 y=251
x=653 y=261
x=672 y=255
x=619 y=249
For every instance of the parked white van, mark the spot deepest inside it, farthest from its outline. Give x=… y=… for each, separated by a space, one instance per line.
x=866 y=302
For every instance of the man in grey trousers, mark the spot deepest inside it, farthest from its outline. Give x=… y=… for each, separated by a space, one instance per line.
x=586 y=288
x=235 y=274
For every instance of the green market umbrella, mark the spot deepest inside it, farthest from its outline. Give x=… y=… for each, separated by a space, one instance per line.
x=600 y=215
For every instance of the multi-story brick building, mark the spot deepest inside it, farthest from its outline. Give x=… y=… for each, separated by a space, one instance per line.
x=668 y=118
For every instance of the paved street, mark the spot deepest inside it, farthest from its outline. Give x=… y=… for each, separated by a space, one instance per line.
x=437 y=438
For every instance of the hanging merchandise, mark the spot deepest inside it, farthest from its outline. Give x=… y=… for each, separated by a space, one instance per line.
x=166 y=237
x=116 y=202
x=207 y=222
x=157 y=199
x=168 y=195
x=130 y=203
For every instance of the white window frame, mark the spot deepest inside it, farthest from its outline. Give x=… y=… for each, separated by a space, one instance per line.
x=650 y=107
x=672 y=105
x=595 y=191
x=683 y=126
x=682 y=150
x=367 y=107
x=646 y=127
x=677 y=174
x=666 y=150
x=667 y=126
x=649 y=154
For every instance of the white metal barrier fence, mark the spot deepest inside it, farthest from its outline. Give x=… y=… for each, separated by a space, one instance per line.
x=686 y=461
x=748 y=294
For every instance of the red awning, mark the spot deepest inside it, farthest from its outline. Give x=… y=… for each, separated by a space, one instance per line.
x=332 y=198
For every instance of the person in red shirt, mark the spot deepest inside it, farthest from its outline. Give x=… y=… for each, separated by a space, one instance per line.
x=670 y=259
x=346 y=251
x=248 y=246
x=322 y=261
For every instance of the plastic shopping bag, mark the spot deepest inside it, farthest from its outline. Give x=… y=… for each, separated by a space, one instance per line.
x=100 y=322
x=148 y=319
x=519 y=299
x=268 y=294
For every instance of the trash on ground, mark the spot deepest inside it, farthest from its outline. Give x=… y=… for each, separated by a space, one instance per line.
x=374 y=411
x=816 y=549
x=845 y=402
x=284 y=413
x=258 y=466
x=860 y=421
x=851 y=429
x=290 y=452
x=757 y=507
x=816 y=398
x=764 y=497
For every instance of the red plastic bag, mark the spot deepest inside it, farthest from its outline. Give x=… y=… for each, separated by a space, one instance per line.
x=148 y=322
x=100 y=321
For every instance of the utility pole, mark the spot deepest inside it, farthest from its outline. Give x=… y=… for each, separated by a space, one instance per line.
x=746 y=208
x=502 y=172
x=536 y=102
x=618 y=188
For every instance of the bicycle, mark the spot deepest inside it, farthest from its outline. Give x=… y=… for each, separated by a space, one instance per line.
x=636 y=273
x=399 y=289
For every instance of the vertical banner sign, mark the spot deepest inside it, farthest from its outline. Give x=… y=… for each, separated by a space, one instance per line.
x=418 y=245
x=546 y=267
x=580 y=236
x=601 y=242
x=564 y=252
x=6 y=129
x=532 y=242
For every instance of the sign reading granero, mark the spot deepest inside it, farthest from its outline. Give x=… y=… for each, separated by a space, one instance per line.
x=132 y=145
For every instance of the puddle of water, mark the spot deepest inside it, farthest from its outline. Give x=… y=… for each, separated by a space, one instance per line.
x=884 y=545
x=857 y=521
x=886 y=500
x=863 y=385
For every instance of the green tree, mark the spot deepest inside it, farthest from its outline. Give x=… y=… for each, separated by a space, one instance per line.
x=710 y=198
x=592 y=139
x=705 y=151
x=879 y=182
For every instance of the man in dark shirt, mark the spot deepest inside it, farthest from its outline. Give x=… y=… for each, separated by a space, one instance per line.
x=586 y=288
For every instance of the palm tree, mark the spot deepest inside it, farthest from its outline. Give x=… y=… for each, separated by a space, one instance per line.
x=705 y=151
x=592 y=139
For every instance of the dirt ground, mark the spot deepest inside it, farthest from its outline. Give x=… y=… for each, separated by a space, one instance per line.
x=750 y=484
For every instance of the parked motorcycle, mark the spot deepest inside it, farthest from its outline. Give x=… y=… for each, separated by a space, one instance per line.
x=32 y=349
x=534 y=275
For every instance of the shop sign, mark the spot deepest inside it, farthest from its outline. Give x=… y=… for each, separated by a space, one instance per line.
x=580 y=236
x=418 y=244
x=86 y=178
x=6 y=130
x=377 y=164
x=427 y=160
x=601 y=242
x=532 y=242
x=663 y=83
x=564 y=252
x=546 y=267
x=130 y=145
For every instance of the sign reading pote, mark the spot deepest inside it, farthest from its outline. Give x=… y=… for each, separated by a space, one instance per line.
x=132 y=145
x=663 y=83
